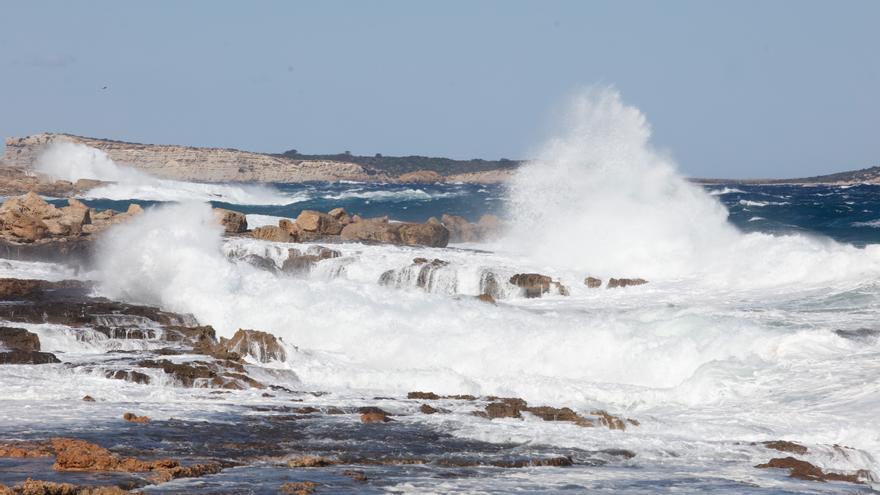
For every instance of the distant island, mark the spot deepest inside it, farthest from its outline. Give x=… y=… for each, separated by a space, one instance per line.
x=231 y=165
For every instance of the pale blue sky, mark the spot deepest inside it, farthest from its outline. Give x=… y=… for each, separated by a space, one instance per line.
x=734 y=89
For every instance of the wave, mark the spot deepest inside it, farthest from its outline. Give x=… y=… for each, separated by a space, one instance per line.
x=74 y=161
x=761 y=204
x=600 y=198
x=871 y=223
x=726 y=190
x=401 y=195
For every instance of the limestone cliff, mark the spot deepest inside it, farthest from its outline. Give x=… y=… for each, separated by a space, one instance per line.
x=194 y=164
x=227 y=165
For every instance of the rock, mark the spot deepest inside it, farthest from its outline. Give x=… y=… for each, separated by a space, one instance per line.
x=261 y=262
x=27 y=357
x=371 y=231
x=318 y=223
x=18 y=339
x=460 y=230
x=625 y=282
x=86 y=184
x=786 y=446
x=486 y=298
x=88 y=398
x=134 y=209
x=340 y=215
x=805 y=471
x=374 y=415
x=39 y=487
x=134 y=418
x=295 y=231
x=423 y=234
x=503 y=410
x=200 y=374
x=593 y=282
x=299 y=487
x=426 y=409
x=26 y=449
x=420 y=177
x=129 y=376
x=271 y=233
x=422 y=396
x=233 y=222
x=262 y=346
x=298 y=263
x=310 y=461
x=355 y=475
x=609 y=421
x=18 y=288
x=535 y=284
x=78 y=455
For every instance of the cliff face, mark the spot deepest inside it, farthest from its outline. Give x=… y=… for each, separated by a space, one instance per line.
x=195 y=164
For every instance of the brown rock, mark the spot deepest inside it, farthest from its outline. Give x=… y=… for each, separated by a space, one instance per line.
x=426 y=409
x=610 y=421
x=134 y=418
x=503 y=410
x=88 y=398
x=340 y=215
x=371 y=231
x=271 y=233
x=27 y=357
x=299 y=488
x=374 y=415
x=233 y=222
x=805 y=471
x=786 y=446
x=422 y=396
x=86 y=184
x=460 y=230
x=423 y=234
x=535 y=284
x=262 y=346
x=593 y=282
x=625 y=282
x=318 y=223
x=18 y=339
x=355 y=475
x=486 y=298
x=310 y=461
x=24 y=449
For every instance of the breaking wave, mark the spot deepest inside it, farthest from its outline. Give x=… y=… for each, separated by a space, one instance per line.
x=74 y=161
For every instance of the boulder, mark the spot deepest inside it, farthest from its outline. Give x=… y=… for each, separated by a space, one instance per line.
x=371 y=231
x=134 y=418
x=292 y=228
x=423 y=234
x=536 y=285
x=18 y=339
x=262 y=346
x=271 y=233
x=233 y=222
x=340 y=215
x=460 y=230
x=593 y=282
x=318 y=223
x=625 y=282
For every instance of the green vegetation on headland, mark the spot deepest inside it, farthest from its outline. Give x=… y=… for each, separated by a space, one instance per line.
x=397 y=165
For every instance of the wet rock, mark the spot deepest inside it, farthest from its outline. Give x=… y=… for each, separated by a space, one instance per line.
x=374 y=415
x=486 y=298
x=271 y=233
x=805 y=471
x=201 y=374
x=497 y=410
x=88 y=398
x=321 y=224
x=261 y=262
x=786 y=446
x=609 y=421
x=18 y=339
x=426 y=409
x=233 y=222
x=262 y=346
x=299 y=488
x=422 y=396
x=536 y=285
x=460 y=230
x=355 y=475
x=310 y=461
x=561 y=461
x=625 y=282
x=864 y=334
x=15 y=288
x=78 y=455
x=134 y=418
x=26 y=449
x=593 y=282
x=129 y=376
x=38 y=487
x=27 y=357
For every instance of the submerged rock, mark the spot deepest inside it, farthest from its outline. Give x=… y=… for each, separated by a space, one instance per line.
x=625 y=282
x=536 y=285
x=134 y=418
x=805 y=471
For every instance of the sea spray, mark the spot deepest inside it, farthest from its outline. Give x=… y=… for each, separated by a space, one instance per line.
x=73 y=161
x=601 y=200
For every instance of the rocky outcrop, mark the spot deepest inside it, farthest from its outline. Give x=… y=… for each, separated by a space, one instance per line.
x=410 y=234
x=512 y=407
x=271 y=233
x=233 y=222
x=593 y=282
x=299 y=263
x=536 y=285
x=18 y=346
x=460 y=230
x=262 y=346
x=803 y=470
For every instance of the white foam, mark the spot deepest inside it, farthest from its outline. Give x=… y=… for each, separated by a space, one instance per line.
x=74 y=161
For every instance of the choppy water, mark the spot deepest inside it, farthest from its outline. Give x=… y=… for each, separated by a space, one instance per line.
x=758 y=324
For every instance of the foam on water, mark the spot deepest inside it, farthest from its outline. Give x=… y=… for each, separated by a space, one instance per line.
x=74 y=161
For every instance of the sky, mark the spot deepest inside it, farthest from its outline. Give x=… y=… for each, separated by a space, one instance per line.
x=733 y=89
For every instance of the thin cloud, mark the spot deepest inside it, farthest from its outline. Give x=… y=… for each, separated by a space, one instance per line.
x=46 y=61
